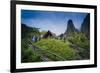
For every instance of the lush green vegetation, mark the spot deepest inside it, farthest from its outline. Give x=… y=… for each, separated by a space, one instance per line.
x=57 y=47
x=80 y=40
x=74 y=47
x=27 y=54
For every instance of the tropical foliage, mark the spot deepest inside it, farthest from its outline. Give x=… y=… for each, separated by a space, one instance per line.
x=73 y=47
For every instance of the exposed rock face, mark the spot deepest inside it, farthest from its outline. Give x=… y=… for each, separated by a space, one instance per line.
x=85 y=27
x=61 y=36
x=70 y=28
x=49 y=34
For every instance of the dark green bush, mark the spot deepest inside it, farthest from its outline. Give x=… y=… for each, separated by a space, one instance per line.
x=80 y=40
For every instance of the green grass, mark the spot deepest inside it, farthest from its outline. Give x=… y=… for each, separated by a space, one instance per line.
x=57 y=47
x=56 y=50
x=30 y=56
x=80 y=40
x=27 y=54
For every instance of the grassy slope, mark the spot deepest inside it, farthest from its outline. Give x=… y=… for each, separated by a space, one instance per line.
x=58 y=47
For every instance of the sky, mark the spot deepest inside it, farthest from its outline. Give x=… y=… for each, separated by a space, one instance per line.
x=54 y=21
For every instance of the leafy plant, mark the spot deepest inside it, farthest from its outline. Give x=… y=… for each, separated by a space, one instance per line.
x=81 y=41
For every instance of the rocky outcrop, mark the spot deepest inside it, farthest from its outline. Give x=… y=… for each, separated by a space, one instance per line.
x=70 y=28
x=85 y=27
x=49 y=34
